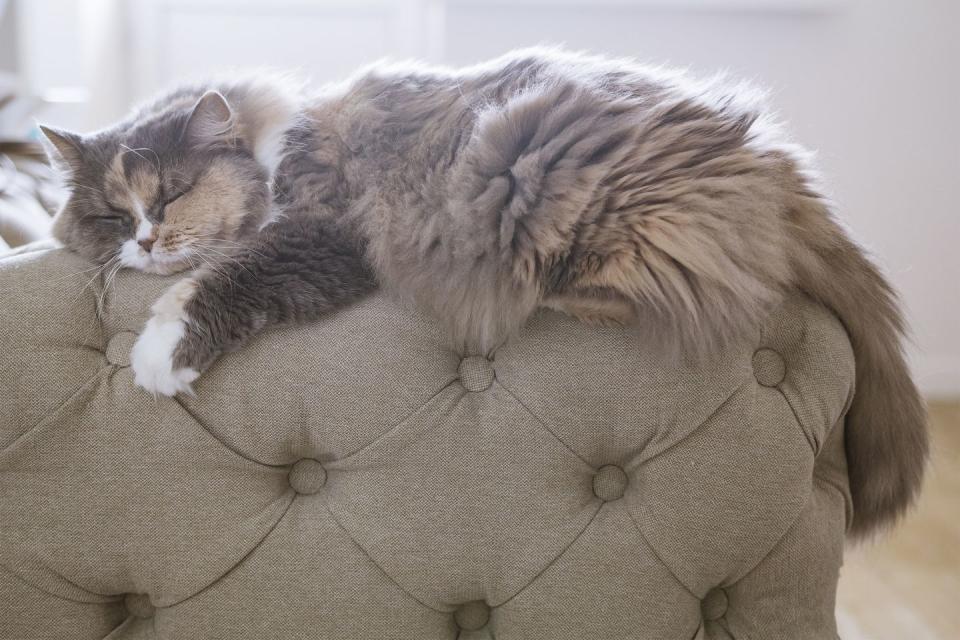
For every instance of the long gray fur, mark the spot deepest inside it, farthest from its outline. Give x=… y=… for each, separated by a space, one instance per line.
x=602 y=188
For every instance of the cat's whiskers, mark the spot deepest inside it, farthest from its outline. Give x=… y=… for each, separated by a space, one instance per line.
x=221 y=267
x=107 y=281
x=80 y=272
x=216 y=260
x=212 y=265
x=189 y=258
x=113 y=263
x=199 y=250
x=223 y=256
x=231 y=254
x=209 y=239
x=99 y=269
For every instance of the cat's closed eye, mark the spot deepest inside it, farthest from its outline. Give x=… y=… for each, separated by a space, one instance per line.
x=113 y=216
x=173 y=198
x=176 y=194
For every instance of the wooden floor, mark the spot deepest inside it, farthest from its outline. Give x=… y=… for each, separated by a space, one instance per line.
x=907 y=586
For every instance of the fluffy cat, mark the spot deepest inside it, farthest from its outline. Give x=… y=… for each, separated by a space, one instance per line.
x=605 y=189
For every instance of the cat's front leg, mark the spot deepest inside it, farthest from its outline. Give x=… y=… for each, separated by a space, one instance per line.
x=299 y=269
x=158 y=359
x=195 y=321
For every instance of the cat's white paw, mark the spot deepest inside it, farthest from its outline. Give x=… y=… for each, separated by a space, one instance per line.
x=152 y=356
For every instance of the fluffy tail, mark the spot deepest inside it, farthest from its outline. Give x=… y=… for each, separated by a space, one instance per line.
x=886 y=433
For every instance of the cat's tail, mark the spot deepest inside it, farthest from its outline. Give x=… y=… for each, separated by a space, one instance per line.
x=886 y=433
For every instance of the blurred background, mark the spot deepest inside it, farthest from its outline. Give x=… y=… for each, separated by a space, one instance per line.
x=871 y=85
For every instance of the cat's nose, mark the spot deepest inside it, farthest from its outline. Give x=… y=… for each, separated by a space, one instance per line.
x=146 y=243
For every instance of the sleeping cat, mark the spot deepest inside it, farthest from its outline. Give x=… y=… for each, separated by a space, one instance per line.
x=601 y=188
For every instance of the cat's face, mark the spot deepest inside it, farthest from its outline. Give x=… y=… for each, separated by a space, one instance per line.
x=166 y=192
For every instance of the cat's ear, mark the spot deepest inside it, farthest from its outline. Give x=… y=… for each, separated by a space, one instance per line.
x=211 y=120
x=64 y=148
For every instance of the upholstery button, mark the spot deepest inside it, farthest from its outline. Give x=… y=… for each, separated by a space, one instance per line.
x=714 y=604
x=139 y=605
x=472 y=615
x=609 y=482
x=768 y=367
x=476 y=373
x=307 y=476
x=118 y=348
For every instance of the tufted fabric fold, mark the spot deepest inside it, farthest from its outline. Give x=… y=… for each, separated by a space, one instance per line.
x=357 y=478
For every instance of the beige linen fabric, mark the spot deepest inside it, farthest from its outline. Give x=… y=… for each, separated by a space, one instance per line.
x=357 y=479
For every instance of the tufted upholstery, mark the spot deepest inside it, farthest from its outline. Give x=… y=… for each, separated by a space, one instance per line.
x=356 y=479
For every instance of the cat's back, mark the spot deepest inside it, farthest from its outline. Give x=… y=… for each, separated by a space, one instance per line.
x=394 y=86
x=416 y=118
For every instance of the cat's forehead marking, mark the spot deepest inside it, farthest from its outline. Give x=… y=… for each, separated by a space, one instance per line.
x=136 y=181
x=115 y=177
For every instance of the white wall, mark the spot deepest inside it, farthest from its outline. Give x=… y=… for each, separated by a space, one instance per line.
x=870 y=84
x=8 y=34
